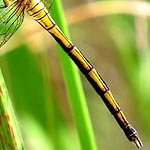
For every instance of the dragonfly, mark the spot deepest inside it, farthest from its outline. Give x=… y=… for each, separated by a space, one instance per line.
x=10 y=20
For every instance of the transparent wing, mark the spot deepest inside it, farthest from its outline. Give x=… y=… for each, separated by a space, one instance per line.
x=48 y=3
x=10 y=20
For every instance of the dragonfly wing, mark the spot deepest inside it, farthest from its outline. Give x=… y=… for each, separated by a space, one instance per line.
x=48 y=3
x=10 y=20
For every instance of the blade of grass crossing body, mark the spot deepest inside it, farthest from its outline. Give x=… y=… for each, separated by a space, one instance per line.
x=74 y=87
x=10 y=137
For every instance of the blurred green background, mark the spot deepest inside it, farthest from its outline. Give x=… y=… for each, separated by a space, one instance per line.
x=114 y=35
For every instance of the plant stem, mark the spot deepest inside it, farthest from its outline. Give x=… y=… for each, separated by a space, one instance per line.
x=10 y=137
x=74 y=87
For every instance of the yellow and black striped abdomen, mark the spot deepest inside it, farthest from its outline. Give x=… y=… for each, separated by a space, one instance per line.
x=38 y=11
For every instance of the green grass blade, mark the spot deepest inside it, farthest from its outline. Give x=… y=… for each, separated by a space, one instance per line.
x=74 y=87
x=9 y=131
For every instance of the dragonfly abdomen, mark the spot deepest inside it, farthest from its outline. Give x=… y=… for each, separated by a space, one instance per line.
x=38 y=11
